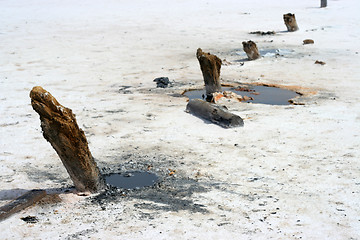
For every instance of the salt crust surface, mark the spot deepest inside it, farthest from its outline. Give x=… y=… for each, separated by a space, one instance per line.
x=291 y=172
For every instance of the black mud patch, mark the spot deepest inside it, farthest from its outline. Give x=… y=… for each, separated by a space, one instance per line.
x=172 y=190
x=173 y=194
x=30 y=219
x=56 y=174
x=81 y=234
x=262 y=33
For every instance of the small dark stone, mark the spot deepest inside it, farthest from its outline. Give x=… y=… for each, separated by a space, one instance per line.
x=162 y=82
x=30 y=219
x=263 y=33
x=320 y=62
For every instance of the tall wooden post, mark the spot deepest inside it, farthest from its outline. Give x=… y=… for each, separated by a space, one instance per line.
x=323 y=3
x=59 y=127
x=251 y=50
x=290 y=22
x=210 y=66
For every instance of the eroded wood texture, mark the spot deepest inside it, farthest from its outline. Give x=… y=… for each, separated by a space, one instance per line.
x=61 y=130
x=251 y=50
x=290 y=22
x=210 y=66
x=323 y=3
x=214 y=113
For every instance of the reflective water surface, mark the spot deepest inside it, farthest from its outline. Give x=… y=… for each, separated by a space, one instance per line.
x=131 y=180
x=260 y=94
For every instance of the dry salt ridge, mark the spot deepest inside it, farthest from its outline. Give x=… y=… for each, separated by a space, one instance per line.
x=291 y=172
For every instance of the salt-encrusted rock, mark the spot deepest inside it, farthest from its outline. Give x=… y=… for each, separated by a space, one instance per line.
x=290 y=22
x=229 y=95
x=162 y=82
x=59 y=127
x=214 y=113
x=251 y=50
x=214 y=97
x=232 y=95
x=210 y=66
x=246 y=98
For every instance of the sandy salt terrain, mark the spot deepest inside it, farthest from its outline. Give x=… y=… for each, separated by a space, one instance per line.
x=292 y=172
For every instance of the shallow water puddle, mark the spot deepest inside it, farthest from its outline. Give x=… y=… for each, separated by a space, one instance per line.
x=260 y=94
x=275 y=52
x=270 y=52
x=131 y=180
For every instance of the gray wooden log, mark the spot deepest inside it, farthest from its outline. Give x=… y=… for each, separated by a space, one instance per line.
x=210 y=67
x=323 y=3
x=21 y=203
x=290 y=22
x=214 y=113
x=62 y=131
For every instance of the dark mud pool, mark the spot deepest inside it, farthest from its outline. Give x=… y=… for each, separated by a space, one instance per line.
x=260 y=94
x=131 y=180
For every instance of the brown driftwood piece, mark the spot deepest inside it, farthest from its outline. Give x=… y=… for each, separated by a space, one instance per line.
x=320 y=62
x=214 y=113
x=290 y=22
x=59 y=127
x=210 y=67
x=21 y=203
x=251 y=50
x=308 y=41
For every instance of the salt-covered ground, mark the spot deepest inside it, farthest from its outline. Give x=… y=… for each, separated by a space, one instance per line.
x=291 y=172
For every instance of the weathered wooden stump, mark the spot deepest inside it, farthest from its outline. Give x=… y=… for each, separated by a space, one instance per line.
x=290 y=22
x=210 y=66
x=61 y=130
x=251 y=50
x=323 y=3
x=214 y=113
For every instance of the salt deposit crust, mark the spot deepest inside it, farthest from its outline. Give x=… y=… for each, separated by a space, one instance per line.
x=292 y=172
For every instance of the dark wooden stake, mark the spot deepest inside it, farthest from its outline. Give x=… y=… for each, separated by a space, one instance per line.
x=323 y=3
x=210 y=66
x=21 y=203
x=290 y=22
x=61 y=130
x=251 y=50
x=214 y=113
